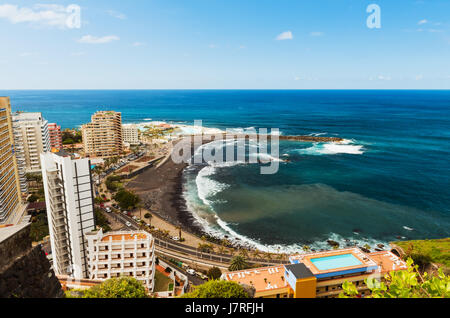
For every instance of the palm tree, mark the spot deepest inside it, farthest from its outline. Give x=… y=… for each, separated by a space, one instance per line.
x=221 y=250
x=256 y=254
x=238 y=263
x=179 y=231
x=232 y=251
x=243 y=252
x=139 y=205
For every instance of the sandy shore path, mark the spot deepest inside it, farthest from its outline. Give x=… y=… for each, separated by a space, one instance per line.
x=160 y=189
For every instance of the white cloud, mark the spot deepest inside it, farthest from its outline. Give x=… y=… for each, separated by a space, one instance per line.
x=25 y=54
x=380 y=78
x=136 y=44
x=316 y=33
x=285 y=36
x=90 y=39
x=117 y=15
x=418 y=77
x=77 y=53
x=422 y=22
x=212 y=46
x=383 y=78
x=54 y=15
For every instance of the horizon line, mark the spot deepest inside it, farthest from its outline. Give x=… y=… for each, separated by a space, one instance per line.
x=222 y=89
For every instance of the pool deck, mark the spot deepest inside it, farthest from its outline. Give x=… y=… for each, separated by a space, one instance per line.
x=366 y=262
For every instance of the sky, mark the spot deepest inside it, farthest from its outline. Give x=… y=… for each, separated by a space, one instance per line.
x=227 y=44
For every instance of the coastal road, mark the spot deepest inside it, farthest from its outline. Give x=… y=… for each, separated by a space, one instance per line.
x=175 y=249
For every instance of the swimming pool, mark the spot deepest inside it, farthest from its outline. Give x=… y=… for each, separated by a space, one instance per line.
x=336 y=261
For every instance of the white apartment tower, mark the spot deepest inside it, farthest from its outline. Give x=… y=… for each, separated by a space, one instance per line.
x=122 y=253
x=70 y=211
x=32 y=138
x=130 y=134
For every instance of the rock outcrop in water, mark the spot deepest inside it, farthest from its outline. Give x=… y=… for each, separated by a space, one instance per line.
x=281 y=137
x=311 y=138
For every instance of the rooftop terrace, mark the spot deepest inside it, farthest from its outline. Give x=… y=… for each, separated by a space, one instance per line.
x=262 y=279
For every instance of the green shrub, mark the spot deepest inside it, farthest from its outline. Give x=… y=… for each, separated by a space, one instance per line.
x=218 y=289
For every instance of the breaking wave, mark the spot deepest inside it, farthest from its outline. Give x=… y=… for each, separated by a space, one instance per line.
x=333 y=148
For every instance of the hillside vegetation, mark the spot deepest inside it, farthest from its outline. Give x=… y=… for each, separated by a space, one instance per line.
x=424 y=252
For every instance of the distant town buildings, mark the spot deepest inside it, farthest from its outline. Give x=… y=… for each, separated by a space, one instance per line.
x=31 y=138
x=130 y=134
x=102 y=137
x=10 y=193
x=55 y=135
x=122 y=253
x=70 y=211
x=319 y=274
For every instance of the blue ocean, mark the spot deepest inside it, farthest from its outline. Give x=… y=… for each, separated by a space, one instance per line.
x=389 y=181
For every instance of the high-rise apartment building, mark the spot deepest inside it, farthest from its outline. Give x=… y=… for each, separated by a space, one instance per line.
x=102 y=137
x=54 y=132
x=122 y=253
x=32 y=138
x=130 y=134
x=70 y=211
x=10 y=194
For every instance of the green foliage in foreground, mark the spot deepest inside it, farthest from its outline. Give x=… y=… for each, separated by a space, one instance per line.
x=218 y=289
x=423 y=252
x=123 y=287
x=404 y=284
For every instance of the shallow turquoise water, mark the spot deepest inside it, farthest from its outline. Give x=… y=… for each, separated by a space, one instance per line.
x=333 y=262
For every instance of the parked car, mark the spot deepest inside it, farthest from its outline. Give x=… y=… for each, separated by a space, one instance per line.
x=175 y=238
x=190 y=271
x=108 y=210
x=128 y=224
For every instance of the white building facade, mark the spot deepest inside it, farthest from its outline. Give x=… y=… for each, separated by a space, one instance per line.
x=70 y=211
x=32 y=138
x=122 y=253
x=130 y=134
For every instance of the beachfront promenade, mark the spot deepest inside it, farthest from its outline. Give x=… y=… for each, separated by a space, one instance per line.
x=186 y=253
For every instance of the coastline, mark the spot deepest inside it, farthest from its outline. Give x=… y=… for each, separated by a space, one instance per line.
x=161 y=191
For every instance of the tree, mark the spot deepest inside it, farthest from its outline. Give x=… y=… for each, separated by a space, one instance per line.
x=238 y=263
x=126 y=199
x=39 y=227
x=214 y=273
x=123 y=287
x=408 y=283
x=33 y=198
x=101 y=220
x=218 y=289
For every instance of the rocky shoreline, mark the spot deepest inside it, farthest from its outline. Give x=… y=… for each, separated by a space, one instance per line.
x=280 y=137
